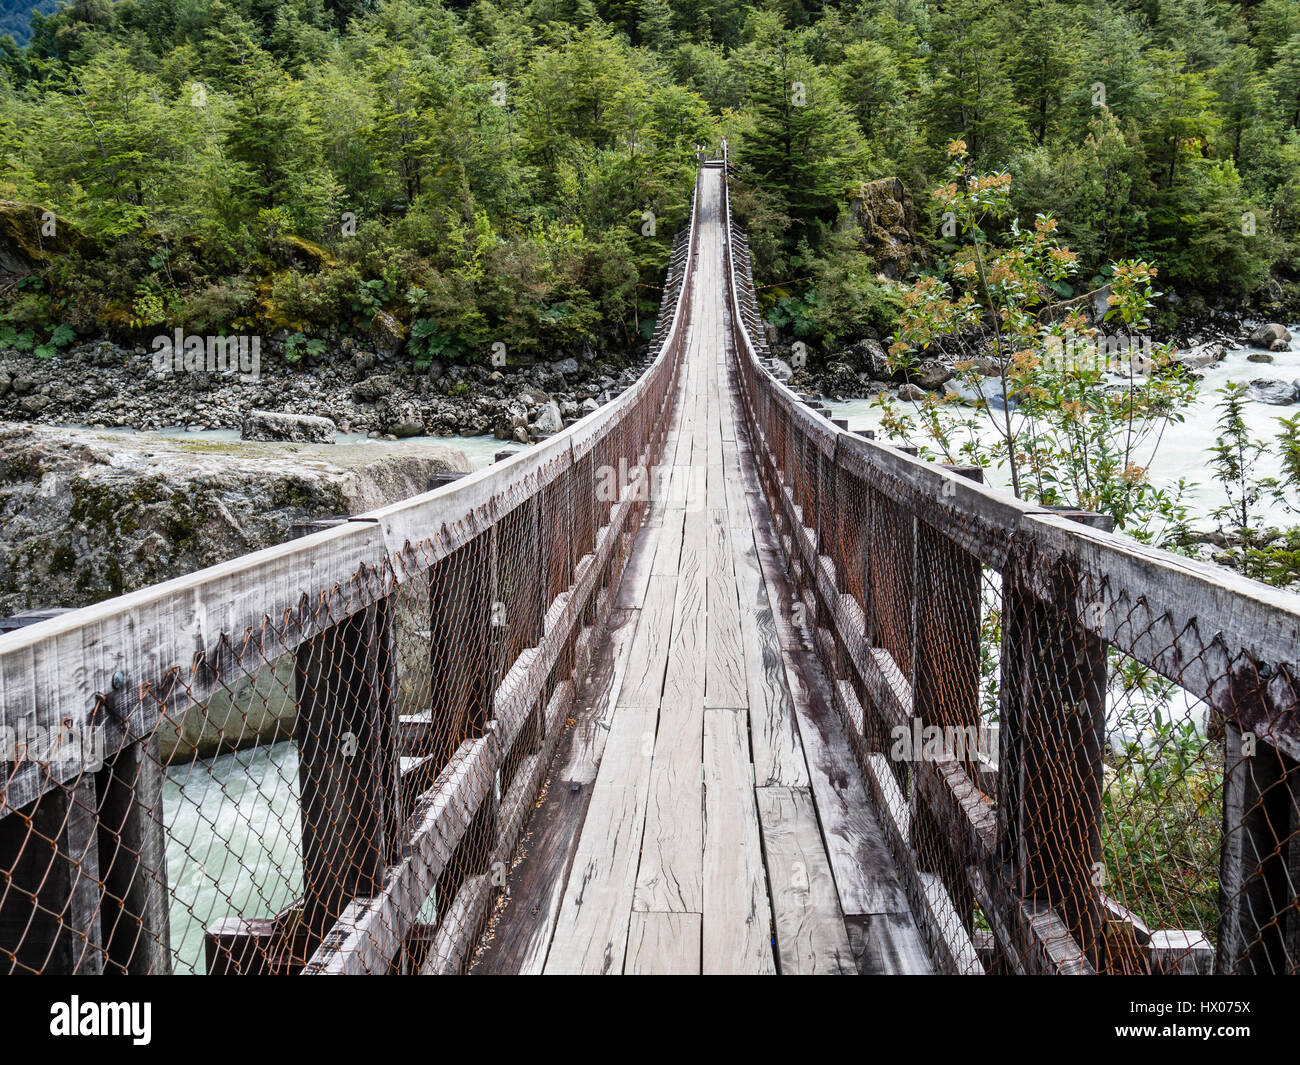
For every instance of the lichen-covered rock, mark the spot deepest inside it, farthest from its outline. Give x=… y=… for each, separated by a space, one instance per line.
x=886 y=220
x=86 y=515
x=387 y=335
x=298 y=428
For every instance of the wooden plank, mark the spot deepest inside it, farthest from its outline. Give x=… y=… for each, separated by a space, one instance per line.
x=725 y=684
x=591 y=932
x=600 y=693
x=863 y=863
x=887 y=944
x=736 y=919
x=778 y=754
x=669 y=878
x=663 y=944
x=685 y=679
x=668 y=550
x=643 y=682
x=810 y=934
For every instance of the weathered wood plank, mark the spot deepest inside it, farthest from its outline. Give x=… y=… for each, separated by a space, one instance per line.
x=591 y=931
x=736 y=915
x=643 y=682
x=669 y=878
x=810 y=933
x=663 y=944
x=725 y=684
x=778 y=754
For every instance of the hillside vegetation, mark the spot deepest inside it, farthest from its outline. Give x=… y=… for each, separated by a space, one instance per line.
x=513 y=172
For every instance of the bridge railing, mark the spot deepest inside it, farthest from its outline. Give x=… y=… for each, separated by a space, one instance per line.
x=318 y=758
x=1084 y=750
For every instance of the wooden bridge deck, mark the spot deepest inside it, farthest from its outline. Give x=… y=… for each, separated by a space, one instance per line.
x=704 y=814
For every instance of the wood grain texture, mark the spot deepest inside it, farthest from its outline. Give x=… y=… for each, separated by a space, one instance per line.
x=810 y=934
x=591 y=931
x=663 y=944
x=725 y=661
x=737 y=920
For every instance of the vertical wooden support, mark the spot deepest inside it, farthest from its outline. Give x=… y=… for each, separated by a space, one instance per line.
x=945 y=683
x=50 y=884
x=347 y=764
x=1259 y=918
x=1052 y=735
x=133 y=856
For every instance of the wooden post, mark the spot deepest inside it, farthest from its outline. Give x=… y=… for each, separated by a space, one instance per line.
x=347 y=764
x=133 y=853
x=945 y=683
x=1052 y=734
x=50 y=884
x=1259 y=918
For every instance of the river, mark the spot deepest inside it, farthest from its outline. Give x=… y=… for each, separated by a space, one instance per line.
x=1183 y=453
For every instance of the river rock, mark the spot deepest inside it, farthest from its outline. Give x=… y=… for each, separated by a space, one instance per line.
x=299 y=428
x=912 y=393
x=374 y=388
x=386 y=335
x=1280 y=345
x=1266 y=335
x=931 y=374
x=1277 y=393
x=869 y=357
x=549 y=419
x=1202 y=355
x=1259 y=356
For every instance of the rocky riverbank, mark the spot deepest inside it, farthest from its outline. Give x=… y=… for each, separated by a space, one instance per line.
x=86 y=515
x=103 y=384
x=862 y=369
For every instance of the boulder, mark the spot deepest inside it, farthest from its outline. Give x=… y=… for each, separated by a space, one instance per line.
x=1280 y=345
x=1259 y=356
x=931 y=374
x=549 y=419
x=299 y=428
x=1276 y=393
x=886 y=221
x=1266 y=335
x=373 y=388
x=567 y=367
x=1200 y=356
x=912 y=393
x=869 y=357
x=386 y=335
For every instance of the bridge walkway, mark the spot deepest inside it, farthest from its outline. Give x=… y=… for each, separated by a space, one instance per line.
x=704 y=813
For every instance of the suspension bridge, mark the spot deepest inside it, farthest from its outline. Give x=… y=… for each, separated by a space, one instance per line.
x=706 y=683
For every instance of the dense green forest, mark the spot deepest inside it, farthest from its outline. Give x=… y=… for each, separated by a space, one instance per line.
x=514 y=171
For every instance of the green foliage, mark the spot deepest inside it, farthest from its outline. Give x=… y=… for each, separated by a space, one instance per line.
x=500 y=157
x=1086 y=410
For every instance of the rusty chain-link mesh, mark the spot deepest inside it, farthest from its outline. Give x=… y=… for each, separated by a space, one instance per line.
x=319 y=758
x=1084 y=751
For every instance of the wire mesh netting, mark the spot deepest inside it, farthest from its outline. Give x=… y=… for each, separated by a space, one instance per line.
x=319 y=758
x=1083 y=750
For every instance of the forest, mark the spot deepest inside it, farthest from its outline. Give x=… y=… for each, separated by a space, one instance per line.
x=515 y=171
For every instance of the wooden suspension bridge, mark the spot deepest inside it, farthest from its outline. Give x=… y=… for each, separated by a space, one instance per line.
x=547 y=727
